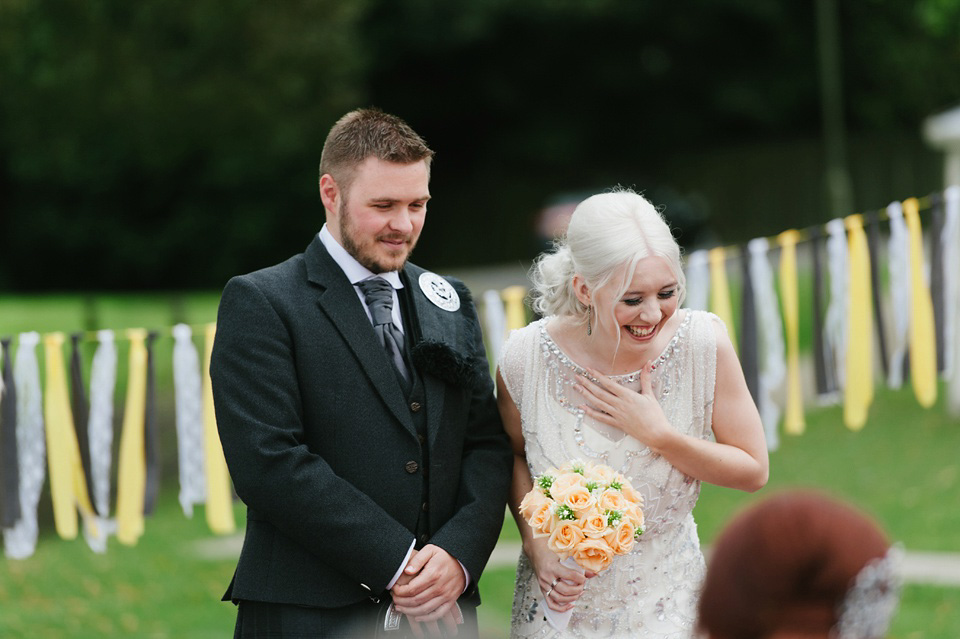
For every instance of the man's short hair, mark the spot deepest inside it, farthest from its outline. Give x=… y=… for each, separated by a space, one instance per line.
x=369 y=132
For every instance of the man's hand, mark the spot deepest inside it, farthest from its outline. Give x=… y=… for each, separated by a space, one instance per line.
x=429 y=587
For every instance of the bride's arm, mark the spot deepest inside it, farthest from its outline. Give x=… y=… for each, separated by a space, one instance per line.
x=737 y=459
x=568 y=583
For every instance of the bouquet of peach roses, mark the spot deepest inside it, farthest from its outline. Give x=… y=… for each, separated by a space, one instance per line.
x=590 y=514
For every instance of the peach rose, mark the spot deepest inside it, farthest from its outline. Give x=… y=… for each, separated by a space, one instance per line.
x=594 y=524
x=634 y=515
x=571 y=465
x=564 y=483
x=593 y=554
x=542 y=521
x=601 y=474
x=564 y=538
x=612 y=500
x=579 y=498
x=531 y=501
x=622 y=538
x=631 y=493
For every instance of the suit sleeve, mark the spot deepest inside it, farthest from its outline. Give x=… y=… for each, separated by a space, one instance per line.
x=260 y=420
x=485 y=471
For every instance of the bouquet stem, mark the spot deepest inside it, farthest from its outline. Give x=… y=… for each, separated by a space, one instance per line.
x=559 y=620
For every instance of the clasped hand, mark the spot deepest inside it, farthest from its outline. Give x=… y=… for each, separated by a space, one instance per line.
x=427 y=592
x=636 y=414
x=561 y=586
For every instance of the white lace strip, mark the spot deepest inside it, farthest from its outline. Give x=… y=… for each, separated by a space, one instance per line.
x=951 y=280
x=835 y=321
x=21 y=540
x=898 y=266
x=770 y=345
x=189 y=411
x=698 y=281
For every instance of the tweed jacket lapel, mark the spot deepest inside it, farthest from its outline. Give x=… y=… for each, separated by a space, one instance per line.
x=338 y=300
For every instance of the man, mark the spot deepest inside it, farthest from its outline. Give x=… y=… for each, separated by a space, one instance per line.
x=356 y=413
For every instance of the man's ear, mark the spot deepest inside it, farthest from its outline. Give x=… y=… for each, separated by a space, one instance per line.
x=329 y=193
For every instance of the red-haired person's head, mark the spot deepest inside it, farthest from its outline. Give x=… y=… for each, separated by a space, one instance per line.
x=800 y=566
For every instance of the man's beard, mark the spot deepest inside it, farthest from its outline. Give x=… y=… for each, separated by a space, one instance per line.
x=361 y=252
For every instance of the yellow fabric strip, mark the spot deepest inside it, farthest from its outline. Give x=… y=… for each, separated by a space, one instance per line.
x=132 y=469
x=219 y=494
x=59 y=425
x=922 y=336
x=513 y=306
x=720 y=290
x=793 y=420
x=858 y=391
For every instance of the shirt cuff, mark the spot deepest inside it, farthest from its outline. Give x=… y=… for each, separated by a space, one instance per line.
x=403 y=565
x=466 y=577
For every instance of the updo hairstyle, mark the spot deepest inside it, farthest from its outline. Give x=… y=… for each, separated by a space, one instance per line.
x=607 y=231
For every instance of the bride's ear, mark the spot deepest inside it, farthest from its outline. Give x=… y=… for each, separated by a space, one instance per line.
x=582 y=291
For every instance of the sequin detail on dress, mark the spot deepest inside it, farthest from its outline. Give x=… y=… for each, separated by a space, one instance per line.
x=652 y=592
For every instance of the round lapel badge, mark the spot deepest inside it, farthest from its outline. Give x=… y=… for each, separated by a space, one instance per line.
x=439 y=291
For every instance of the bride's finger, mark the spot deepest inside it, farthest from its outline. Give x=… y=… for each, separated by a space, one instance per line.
x=646 y=385
x=599 y=379
x=567 y=589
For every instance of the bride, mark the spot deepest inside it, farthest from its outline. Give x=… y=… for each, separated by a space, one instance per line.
x=616 y=374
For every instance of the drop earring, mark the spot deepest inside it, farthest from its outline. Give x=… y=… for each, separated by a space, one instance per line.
x=589 y=325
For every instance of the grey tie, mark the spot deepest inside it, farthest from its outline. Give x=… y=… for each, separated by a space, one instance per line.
x=379 y=296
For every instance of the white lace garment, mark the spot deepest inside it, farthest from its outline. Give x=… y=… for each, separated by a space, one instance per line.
x=651 y=592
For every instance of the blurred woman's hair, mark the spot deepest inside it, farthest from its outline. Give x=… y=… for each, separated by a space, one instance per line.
x=607 y=232
x=800 y=565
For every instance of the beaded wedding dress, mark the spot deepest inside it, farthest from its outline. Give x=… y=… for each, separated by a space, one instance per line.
x=651 y=592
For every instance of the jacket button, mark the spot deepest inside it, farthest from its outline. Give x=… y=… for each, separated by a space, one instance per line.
x=415 y=406
x=425 y=507
x=411 y=467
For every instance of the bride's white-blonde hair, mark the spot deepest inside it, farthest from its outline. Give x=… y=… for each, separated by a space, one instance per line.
x=606 y=232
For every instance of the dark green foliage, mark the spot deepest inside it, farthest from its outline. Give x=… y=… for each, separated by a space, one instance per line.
x=169 y=144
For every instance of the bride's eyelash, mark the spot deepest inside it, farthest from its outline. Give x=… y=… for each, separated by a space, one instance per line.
x=664 y=295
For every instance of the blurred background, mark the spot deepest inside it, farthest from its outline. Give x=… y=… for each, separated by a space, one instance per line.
x=171 y=144
x=150 y=150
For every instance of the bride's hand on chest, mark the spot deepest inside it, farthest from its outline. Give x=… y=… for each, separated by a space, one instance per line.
x=636 y=414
